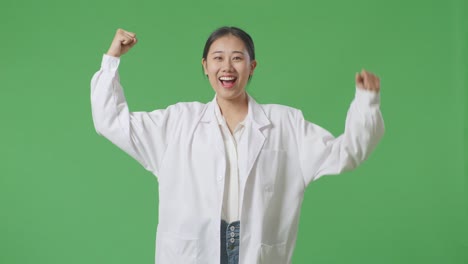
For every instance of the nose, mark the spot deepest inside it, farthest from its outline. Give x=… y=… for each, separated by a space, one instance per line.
x=227 y=66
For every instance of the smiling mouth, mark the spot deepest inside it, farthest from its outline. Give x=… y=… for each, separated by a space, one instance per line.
x=227 y=82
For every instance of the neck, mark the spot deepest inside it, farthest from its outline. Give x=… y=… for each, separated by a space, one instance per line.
x=235 y=109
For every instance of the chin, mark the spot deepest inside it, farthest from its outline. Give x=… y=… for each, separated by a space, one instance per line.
x=230 y=94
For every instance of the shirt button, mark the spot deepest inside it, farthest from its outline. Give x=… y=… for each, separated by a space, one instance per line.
x=232 y=228
x=232 y=240
x=232 y=234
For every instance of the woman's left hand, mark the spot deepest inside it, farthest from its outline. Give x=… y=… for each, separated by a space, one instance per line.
x=367 y=81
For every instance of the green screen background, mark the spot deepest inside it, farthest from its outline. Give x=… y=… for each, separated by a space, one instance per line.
x=68 y=195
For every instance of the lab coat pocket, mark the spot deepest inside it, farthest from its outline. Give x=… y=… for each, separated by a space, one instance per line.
x=174 y=249
x=272 y=254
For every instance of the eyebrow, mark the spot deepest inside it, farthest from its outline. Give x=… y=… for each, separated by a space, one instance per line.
x=236 y=51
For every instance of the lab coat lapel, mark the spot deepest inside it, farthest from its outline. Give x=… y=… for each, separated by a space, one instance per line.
x=250 y=148
x=255 y=136
x=209 y=118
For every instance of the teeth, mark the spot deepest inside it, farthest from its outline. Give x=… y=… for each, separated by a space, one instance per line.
x=225 y=78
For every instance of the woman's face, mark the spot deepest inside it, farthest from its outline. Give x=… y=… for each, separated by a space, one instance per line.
x=228 y=67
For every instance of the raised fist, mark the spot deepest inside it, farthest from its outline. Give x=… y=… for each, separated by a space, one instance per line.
x=123 y=41
x=367 y=81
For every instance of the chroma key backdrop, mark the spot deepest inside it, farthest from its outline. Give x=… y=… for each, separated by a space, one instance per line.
x=68 y=195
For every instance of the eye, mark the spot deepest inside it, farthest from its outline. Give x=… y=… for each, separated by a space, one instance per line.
x=237 y=58
x=217 y=58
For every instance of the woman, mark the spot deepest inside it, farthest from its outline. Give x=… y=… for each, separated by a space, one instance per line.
x=230 y=163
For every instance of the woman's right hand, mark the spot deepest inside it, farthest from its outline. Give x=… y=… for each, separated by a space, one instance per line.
x=123 y=42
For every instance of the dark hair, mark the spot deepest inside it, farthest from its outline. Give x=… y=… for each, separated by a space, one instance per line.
x=237 y=32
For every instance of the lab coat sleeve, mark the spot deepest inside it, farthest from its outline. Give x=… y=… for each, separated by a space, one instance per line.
x=322 y=154
x=140 y=134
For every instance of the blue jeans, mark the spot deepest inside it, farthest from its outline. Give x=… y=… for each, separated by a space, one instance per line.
x=230 y=237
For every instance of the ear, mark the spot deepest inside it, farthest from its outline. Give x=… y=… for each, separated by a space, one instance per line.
x=253 y=65
x=203 y=62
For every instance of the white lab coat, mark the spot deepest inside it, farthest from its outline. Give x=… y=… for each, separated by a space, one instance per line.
x=183 y=147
